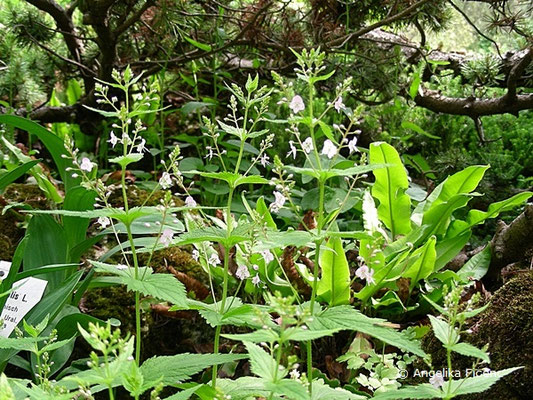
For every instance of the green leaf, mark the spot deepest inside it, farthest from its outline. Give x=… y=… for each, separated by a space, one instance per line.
x=334 y=284
x=47 y=245
x=184 y=394
x=75 y=228
x=303 y=335
x=415 y=85
x=181 y=367
x=25 y=343
x=322 y=391
x=262 y=364
x=124 y=161
x=476 y=217
x=448 y=248
x=423 y=263
x=480 y=383
x=16 y=173
x=468 y=350
x=423 y=391
x=193 y=106
x=477 y=266
x=417 y=129
x=201 y=46
x=389 y=189
x=162 y=286
x=462 y=182
x=346 y=317
x=443 y=331
x=289 y=388
x=52 y=142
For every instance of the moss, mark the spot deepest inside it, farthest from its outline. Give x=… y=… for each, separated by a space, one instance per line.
x=507 y=327
x=137 y=197
x=29 y=194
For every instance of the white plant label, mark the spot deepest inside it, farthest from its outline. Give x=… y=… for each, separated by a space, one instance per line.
x=28 y=292
x=5 y=266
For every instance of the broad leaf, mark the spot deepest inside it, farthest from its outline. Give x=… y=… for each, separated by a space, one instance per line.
x=477 y=266
x=389 y=189
x=423 y=263
x=334 y=284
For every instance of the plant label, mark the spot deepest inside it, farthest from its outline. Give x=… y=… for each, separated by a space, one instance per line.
x=5 y=266
x=26 y=294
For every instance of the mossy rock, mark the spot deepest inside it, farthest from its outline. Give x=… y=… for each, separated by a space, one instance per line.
x=28 y=194
x=507 y=327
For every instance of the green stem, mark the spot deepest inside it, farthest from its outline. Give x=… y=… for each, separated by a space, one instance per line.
x=218 y=329
x=321 y=188
x=136 y=272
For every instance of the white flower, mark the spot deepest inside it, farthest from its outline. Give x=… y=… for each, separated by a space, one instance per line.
x=263 y=160
x=104 y=222
x=437 y=380
x=352 y=145
x=189 y=202
x=292 y=151
x=278 y=202
x=242 y=272
x=256 y=280
x=255 y=267
x=121 y=267
x=166 y=237
x=114 y=99
x=165 y=181
x=339 y=105
x=294 y=374
x=195 y=255
x=267 y=256
x=329 y=149
x=297 y=104
x=307 y=145
x=214 y=260
x=113 y=139
x=363 y=272
x=86 y=164
x=210 y=153
x=140 y=146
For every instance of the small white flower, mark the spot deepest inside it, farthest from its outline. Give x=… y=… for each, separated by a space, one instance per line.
x=339 y=105
x=214 y=260
x=256 y=280
x=263 y=160
x=140 y=146
x=166 y=237
x=114 y=99
x=294 y=374
x=165 y=181
x=329 y=149
x=297 y=104
x=307 y=145
x=278 y=202
x=352 y=145
x=113 y=139
x=242 y=272
x=104 y=222
x=210 y=153
x=292 y=151
x=189 y=202
x=255 y=267
x=363 y=272
x=195 y=255
x=86 y=164
x=267 y=256
x=437 y=380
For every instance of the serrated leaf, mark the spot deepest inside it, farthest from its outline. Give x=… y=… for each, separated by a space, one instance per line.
x=443 y=331
x=262 y=364
x=468 y=350
x=480 y=383
x=346 y=317
x=161 y=286
x=424 y=391
x=181 y=367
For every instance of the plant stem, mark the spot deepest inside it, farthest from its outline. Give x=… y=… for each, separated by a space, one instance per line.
x=321 y=188
x=218 y=329
x=136 y=272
